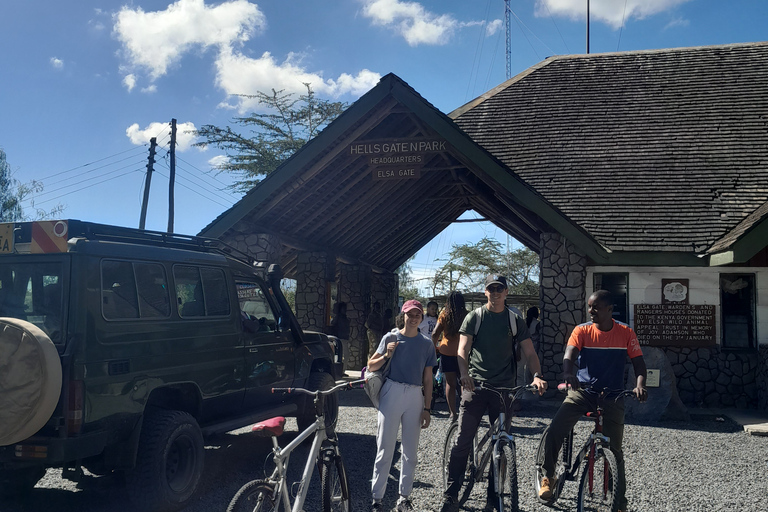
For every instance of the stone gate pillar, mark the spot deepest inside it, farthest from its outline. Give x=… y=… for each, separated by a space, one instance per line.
x=563 y=299
x=354 y=288
x=384 y=290
x=311 y=307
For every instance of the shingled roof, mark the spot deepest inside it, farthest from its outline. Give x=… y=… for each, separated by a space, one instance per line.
x=663 y=150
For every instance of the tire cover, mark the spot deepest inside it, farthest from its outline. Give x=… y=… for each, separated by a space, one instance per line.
x=30 y=380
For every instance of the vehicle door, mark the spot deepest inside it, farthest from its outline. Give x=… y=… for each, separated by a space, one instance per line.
x=269 y=350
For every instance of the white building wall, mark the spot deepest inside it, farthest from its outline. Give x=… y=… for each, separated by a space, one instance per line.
x=703 y=284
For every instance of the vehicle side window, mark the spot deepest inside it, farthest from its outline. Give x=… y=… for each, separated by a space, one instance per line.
x=201 y=291
x=215 y=291
x=154 y=301
x=255 y=309
x=118 y=290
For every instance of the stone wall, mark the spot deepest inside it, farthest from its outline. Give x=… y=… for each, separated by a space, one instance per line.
x=710 y=377
x=311 y=308
x=261 y=247
x=354 y=288
x=563 y=301
x=762 y=378
x=384 y=290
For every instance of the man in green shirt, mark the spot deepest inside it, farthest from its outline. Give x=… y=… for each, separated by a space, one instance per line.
x=487 y=355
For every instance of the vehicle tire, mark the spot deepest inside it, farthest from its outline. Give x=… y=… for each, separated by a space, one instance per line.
x=316 y=381
x=30 y=383
x=16 y=482
x=599 y=495
x=508 y=495
x=469 y=474
x=169 y=461
x=255 y=496
x=334 y=485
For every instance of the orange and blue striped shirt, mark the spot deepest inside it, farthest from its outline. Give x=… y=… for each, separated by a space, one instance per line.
x=602 y=354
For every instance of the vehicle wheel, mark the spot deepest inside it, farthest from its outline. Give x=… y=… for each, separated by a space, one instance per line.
x=319 y=380
x=255 y=496
x=31 y=380
x=597 y=488
x=507 y=493
x=15 y=482
x=334 y=485
x=169 y=461
x=469 y=475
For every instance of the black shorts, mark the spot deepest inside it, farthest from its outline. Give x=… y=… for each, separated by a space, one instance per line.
x=449 y=364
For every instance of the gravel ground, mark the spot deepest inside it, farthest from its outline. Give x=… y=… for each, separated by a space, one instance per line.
x=703 y=465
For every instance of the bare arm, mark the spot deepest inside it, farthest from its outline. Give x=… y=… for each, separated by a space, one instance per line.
x=569 y=366
x=437 y=334
x=377 y=360
x=426 y=379
x=534 y=366
x=638 y=364
x=465 y=347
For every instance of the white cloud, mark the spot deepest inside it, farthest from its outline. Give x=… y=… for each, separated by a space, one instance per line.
x=129 y=81
x=57 y=63
x=149 y=90
x=217 y=161
x=610 y=12
x=185 y=134
x=677 y=22
x=411 y=20
x=493 y=27
x=157 y=40
x=239 y=74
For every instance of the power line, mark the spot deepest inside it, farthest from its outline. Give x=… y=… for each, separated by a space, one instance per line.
x=89 y=186
x=206 y=186
x=195 y=191
x=91 y=170
x=623 y=17
x=132 y=164
x=91 y=163
x=533 y=34
x=558 y=28
x=203 y=172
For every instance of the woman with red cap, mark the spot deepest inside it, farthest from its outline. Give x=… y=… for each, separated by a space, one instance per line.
x=402 y=402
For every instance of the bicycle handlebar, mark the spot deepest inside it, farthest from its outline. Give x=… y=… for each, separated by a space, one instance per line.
x=512 y=392
x=618 y=393
x=325 y=392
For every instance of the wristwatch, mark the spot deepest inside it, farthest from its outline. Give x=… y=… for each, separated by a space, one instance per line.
x=537 y=375
x=427 y=409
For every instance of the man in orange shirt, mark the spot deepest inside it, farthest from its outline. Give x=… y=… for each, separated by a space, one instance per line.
x=598 y=350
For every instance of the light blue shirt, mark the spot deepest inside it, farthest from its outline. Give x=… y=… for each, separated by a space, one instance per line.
x=411 y=356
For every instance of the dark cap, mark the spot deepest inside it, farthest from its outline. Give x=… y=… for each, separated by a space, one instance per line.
x=495 y=279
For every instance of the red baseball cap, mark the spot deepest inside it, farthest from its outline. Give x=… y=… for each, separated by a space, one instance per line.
x=412 y=304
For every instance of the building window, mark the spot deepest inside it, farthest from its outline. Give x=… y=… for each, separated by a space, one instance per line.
x=737 y=311
x=617 y=284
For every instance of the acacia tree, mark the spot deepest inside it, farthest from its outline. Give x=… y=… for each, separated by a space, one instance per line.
x=13 y=193
x=288 y=123
x=468 y=264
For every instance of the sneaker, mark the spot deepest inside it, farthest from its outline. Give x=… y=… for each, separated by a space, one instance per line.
x=450 y=504
x=376 y=506
x=547 y=489
x=404 y=505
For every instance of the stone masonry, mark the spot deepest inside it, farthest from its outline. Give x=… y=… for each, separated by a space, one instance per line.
x=261 y=247
x=562 y=288
x=310 y=290
x=354 y=289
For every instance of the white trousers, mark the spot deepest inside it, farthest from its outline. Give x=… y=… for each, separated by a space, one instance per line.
x=398 y=404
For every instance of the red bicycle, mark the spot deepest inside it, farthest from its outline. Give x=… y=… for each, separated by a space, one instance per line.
x=597 y=463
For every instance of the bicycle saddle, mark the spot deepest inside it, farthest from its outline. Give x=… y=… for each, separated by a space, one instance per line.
x=270 y=427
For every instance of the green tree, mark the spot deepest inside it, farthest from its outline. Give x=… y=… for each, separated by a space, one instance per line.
x=407 y=284
x=13 y=193
x=289 y=123
x=468 y=264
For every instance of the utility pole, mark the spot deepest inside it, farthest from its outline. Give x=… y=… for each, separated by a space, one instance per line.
x=150 y=168
x=507 y=19
x=172 y=180
x=587 y=26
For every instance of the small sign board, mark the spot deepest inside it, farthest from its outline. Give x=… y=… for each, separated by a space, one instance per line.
x=653 y=378
x=6 y=237
x=396 y=173
x=674 y=291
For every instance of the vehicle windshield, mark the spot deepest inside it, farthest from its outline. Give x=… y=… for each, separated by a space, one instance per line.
x=33 y=292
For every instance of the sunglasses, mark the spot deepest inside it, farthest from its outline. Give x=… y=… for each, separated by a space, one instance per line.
x=496 y=288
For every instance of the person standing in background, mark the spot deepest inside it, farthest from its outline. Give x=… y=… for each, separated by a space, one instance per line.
x=446 y=339
x=427 y=326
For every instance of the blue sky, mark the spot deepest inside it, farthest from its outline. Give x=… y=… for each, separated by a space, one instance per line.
x=85 y=84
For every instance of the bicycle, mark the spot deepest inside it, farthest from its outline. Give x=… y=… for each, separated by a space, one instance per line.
x=268 y=495
x=496 y=445
x=599 y=471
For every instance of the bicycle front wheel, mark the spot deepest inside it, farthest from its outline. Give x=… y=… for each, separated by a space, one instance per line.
x=334 y=485
x=599 y=482
x=255 y=496
x=507 y=491
x=469 y=474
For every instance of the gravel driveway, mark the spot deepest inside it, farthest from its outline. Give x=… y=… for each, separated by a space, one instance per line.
x=704 y=465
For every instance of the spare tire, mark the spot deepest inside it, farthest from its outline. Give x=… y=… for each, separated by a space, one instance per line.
x=30 y=380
